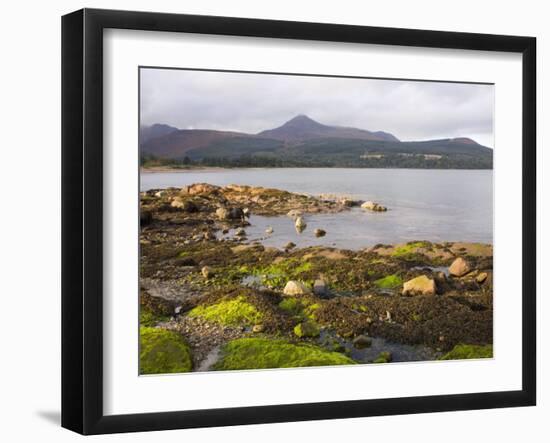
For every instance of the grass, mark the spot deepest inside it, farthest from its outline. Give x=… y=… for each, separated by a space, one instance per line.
x=260 y=353
x=389 y=282
x=463 y=352
x=163 y=352
x=234 y=312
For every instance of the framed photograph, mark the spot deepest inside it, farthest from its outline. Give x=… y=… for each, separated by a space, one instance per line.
x=269 y=221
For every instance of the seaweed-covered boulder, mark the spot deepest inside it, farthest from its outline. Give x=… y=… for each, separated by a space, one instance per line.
x=294 y=287
x=421 y=285
x=459 y=267
x=163 y=352
x=261 y=353
x=307 y=329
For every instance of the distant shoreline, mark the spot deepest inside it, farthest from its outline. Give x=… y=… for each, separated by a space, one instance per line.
x=165 y=169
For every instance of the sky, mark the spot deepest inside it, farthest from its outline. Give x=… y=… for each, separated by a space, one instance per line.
x=246 y=102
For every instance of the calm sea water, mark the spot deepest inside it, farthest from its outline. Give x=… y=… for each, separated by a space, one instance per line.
x=434 y=205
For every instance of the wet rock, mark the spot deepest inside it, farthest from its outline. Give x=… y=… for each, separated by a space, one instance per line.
x=300 y=224
x=373 y=206
x=199 y=188
x=236 y=214
x=290 y=245
x=362 y=341
x=482 y=276
x=294 y=287
x=307 y=329
x=207 y=272
x=320 y=232
x=320 y=287
x=246 y=212
x=159 y=194
x=421 y=285
x=269 y=230
x=246 y=248
x=240 y=232
x=459 y=267
x=185 y=261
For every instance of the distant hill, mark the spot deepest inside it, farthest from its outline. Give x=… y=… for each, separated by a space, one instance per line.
x=147 y=133
x=304 y=142
x=302 y=128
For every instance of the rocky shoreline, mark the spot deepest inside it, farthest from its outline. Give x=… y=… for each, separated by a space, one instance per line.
x=224 y=302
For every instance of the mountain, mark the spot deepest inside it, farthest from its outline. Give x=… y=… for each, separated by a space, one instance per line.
x=147 y=133
x=304 y=142
x=302 y=128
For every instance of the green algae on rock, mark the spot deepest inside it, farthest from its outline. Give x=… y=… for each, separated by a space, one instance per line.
x=234 y=312
x=260 y=353
x=163 y=352
x=307 y=329
x=389 y=282
x=463 y=352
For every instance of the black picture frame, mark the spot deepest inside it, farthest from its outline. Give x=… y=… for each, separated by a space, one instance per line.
x=82 y=218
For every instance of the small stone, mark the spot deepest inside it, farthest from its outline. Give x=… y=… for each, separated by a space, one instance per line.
x=269 y=230
x=421 y=285
x=362 y=341
x=290 y=245
x=207 y=271
x=300 y=224
x=320 y=232
x=294 y=287
x=246 y=212
x=482 y=276
x=240 y=232
x=258 y=328
x=459 y=267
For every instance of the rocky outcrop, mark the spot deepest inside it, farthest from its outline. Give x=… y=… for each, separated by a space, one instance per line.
x=373 y=206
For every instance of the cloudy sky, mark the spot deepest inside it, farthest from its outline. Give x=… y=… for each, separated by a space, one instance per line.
x=253 y=102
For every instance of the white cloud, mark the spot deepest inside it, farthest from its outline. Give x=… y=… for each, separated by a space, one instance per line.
x=411 y=110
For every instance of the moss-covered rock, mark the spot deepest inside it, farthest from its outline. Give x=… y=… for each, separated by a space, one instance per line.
x=389 y=282
x=260 y=353
x=462 y=352
x=307 y=329
x=163 y=352
x=232 y=312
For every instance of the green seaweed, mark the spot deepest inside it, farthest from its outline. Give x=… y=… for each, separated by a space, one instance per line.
x=233 y=312
x=462 y=352
x=409 y=250
x=389 y=282
x=260 y=353
x=163 y=352
x=149 y=318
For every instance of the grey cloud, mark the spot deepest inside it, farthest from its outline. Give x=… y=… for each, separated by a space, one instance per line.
x=411 y=110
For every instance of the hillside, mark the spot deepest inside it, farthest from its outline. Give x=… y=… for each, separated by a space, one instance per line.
x=306 y=143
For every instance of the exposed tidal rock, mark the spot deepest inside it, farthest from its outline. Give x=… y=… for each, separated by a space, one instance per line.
x=300 y=224
x=294 y=287
x=320 y=232
x=459 y=267
x=320 y=287
x=307 y=329
x=373 y=206
x=421 y=285
x=269 y=230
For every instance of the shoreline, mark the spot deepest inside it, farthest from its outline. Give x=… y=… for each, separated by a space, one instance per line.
x=224 y=294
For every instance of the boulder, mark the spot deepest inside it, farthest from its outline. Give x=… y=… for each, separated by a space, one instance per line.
x=421 y=285
x=307 y=329
x=373 y=206
x=300 y=224
x=459 y=267
x=294 y=287
x=199 y=188
x=236 y=214
x=362 y=341
x=320 y=232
